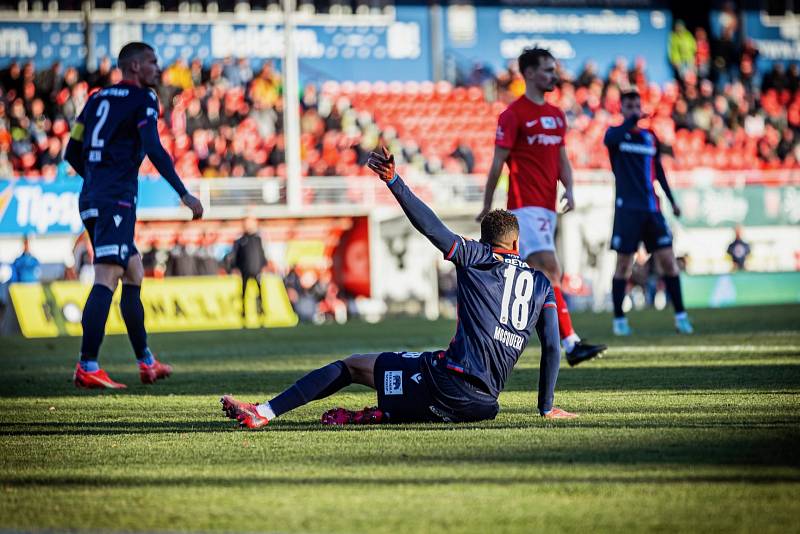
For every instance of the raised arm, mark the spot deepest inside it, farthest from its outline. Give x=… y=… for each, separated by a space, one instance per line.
x=547 y=330
x=616 y=134
x=421 y=216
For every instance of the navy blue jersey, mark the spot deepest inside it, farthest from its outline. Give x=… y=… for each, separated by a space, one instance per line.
x=112 y=150
x=636 y=164
x=500 y=299
x=500 y=302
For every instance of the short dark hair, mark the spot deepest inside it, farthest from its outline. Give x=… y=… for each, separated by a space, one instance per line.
x=498 y=225
x=532 y=57
x=130 y=52
x=629 y=94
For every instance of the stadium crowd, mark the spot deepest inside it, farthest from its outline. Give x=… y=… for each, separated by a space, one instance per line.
x=226 y=118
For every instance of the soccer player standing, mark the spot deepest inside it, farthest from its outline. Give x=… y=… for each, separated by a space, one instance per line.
x=500 y=302
x=108 y=142
x=530 y=139
x=637 y=166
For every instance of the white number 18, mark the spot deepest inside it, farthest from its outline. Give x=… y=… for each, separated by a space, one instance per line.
x=523 y=291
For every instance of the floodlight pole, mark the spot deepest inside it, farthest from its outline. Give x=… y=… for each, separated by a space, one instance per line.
x=291 y=109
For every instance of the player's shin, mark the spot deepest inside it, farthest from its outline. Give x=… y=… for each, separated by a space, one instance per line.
x=673 y=287
x=130 y=306
x=93 y=321
x=618 y=286
x=316 y=385
x=564 y=320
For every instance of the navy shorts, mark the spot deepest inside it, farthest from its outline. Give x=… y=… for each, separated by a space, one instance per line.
x=416 y=387
x=111 y=227
x=632 y=227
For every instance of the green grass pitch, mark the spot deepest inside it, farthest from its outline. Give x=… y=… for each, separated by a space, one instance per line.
x=676 y=434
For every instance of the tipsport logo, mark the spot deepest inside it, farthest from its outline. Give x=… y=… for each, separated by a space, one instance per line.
x=24 y=208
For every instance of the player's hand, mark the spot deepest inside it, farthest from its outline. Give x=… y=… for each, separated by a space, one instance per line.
x=485 y=211
x=676 y=210
x=382 y=164
x=567 y=201
x=194 y=204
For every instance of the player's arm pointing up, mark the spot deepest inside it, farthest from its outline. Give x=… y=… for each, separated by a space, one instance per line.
x=420 y=215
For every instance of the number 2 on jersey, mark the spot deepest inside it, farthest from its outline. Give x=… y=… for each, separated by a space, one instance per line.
x=102 y=114
x=522 y=287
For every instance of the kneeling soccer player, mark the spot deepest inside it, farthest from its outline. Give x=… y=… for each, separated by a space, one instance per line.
x=500 y=301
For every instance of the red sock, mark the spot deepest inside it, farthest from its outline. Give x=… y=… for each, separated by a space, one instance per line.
x=564 y=321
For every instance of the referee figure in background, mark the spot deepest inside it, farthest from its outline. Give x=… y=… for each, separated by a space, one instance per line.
x=249 y=259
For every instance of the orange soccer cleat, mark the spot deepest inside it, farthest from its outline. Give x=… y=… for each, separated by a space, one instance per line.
x=94 y=379
x=148 y=374
x=244 y=412
x=558 y=413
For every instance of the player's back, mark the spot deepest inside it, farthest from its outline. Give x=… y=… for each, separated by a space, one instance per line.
x=112 y=149
x=499 y=302
x=534 y=134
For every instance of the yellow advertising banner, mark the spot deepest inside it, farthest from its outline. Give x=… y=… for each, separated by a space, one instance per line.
x=170 y=305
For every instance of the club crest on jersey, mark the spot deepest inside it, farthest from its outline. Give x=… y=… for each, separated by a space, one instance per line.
x=393 y=382
x=549 y=123
x=117 y=220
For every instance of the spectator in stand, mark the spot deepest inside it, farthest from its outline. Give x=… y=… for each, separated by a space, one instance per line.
x=180 y=261
x=26 y=268
x=738 y=250
x=681 y=50
x=102 y=76
x=464 y=154
x=702 y=58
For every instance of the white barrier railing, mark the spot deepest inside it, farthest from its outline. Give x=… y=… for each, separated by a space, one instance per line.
x=230 y=197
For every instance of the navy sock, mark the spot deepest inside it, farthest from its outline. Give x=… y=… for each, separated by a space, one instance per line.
x=315 y=385
x=95 y=314
x=133 y=314
x=618 y=286
x=673 y=286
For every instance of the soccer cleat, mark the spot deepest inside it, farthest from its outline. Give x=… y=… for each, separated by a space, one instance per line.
x=582 y=352
x=148 y=374
x=558 y=413
x=94 y=379
x=621 y=327
x=244 y=412
x=341 y=416
x=683 y=325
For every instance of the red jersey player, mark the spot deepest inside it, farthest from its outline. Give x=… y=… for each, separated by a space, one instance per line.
x=530 y=139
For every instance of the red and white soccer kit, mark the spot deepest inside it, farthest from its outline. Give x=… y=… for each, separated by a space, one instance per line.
x=534 y=134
